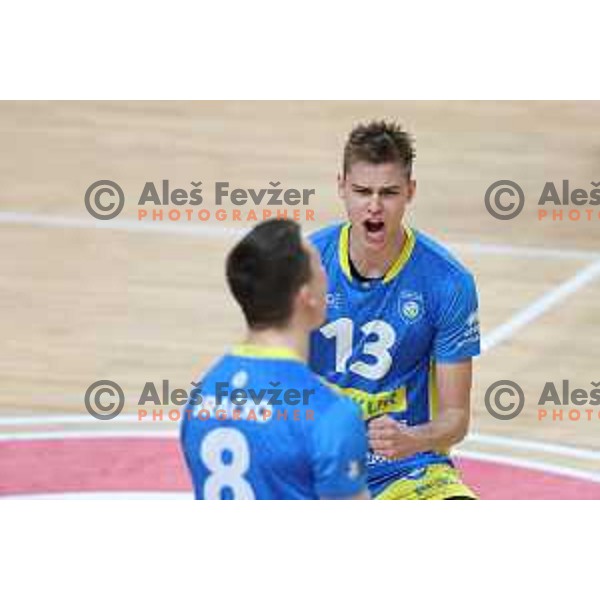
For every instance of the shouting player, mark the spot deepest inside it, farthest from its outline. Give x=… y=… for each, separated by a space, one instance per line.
x=402 y=324
x=263 y=425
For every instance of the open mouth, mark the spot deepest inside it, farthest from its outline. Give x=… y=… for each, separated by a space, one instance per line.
x=374 y=227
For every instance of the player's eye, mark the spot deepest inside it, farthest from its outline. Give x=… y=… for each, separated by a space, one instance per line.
x=362 y=191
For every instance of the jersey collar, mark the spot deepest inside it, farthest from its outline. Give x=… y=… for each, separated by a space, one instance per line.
x=254 y=351
x=393 y=271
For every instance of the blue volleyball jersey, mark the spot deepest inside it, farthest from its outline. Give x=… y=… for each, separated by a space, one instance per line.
x=382 y=338
x=263 y=426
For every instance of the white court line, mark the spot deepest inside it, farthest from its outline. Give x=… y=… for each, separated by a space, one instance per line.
x=524 y=251
x=543 y=304
x=61 y=222
x=527 y=445
x=536 y=465
x=203 y=229
x=171 y=430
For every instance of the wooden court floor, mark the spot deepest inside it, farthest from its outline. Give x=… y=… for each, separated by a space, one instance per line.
x=135 y=301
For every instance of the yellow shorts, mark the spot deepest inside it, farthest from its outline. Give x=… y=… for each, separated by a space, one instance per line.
x=438 y=482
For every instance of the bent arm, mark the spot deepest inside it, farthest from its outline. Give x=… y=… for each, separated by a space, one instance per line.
x=448 y=427
x=451 y=424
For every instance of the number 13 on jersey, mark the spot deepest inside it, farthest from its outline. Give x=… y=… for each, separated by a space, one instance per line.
x=379 y=337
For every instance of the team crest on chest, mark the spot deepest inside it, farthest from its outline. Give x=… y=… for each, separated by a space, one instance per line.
x=411 y=306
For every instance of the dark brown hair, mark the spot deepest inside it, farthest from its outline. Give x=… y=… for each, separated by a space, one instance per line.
x=379 y=142
x=266 y=269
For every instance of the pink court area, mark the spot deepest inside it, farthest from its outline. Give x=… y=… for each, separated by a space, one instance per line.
x=30 y=467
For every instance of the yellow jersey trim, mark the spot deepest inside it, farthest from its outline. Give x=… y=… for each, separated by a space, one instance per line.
x=434 y=399
x=344 y=251
x=255 y=351
x=407 y=249
x=393 y=271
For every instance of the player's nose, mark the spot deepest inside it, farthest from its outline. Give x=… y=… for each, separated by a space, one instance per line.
x=374 y=205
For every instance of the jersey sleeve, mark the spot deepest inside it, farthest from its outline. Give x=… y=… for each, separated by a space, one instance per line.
x=339 y=450
x=458 y=336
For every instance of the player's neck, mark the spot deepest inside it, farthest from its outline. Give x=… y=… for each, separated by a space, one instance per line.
x=374 y=264
x=289 y=338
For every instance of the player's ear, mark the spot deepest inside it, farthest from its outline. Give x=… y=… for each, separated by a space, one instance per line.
x=301 y=299
x=306 y=298
x=303 y=305
x=411 y=189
